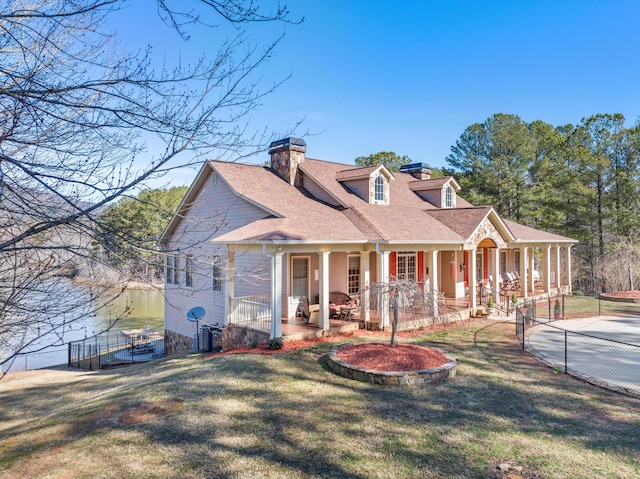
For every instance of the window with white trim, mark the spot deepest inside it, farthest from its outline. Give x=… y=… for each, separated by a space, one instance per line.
x=503 y=262
x=406 y=266
x=516 y=261
x=448 y=197
x=217 y=273
x=353 y=274
x=300 y=276
x=171 y=269
x=378 y=189
x=188 y=272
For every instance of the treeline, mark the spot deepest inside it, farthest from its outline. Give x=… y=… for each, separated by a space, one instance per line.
x=128 y=232
x=580 y=181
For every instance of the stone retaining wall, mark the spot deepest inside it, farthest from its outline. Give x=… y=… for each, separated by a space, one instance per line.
x=394 y=378
x=176 y=343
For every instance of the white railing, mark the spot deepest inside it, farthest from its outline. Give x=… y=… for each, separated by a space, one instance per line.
x=252 y=312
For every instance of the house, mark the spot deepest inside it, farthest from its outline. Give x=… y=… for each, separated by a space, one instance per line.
x=248 y=242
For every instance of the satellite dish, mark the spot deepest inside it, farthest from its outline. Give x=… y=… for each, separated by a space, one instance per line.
x=195 y=314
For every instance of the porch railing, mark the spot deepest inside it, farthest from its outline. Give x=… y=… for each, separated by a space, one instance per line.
x=252 y=312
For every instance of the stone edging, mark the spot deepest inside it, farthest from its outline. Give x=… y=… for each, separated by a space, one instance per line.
x=392 y=378
x=618 y=299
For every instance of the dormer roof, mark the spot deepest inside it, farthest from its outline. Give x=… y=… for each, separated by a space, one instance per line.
x=364 y=172
x=433 y=184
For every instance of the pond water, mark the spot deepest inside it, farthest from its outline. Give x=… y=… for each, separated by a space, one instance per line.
x=147 y=310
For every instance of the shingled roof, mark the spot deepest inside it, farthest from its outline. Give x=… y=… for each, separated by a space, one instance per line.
x=293 y=214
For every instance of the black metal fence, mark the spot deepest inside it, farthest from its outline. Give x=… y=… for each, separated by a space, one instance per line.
x=605 y=361
x=115 y=349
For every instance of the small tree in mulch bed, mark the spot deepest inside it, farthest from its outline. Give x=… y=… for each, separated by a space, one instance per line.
x=407 y=300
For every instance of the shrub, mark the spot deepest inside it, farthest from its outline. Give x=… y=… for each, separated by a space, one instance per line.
x=490 y=303
x=275 y=343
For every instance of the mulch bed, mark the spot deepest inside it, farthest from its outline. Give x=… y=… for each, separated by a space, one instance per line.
x=383 y=357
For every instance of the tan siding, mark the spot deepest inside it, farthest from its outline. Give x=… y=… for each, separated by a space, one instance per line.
x=360 y=188
x=317 y=192
x=215 y=211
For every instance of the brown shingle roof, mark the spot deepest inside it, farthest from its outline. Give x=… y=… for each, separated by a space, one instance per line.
x=293 y=215
x=525 y=233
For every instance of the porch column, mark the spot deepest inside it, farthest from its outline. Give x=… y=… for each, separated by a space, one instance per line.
x=557 y=271
x=365 y=271
x=532 y=265
x=473 y=281
x=383 y=277
x=524 y=272
x=568 y=269
x=546 y=268
x=276 y=296
x=229 y=287
x=433 y=276
x=495 y=289
x=323 y=259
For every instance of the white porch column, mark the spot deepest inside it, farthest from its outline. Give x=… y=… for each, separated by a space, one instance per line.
x=557 y=265
x=433 y=280
x=323 y=259
x=495 y=289
x=383 y=277
x=546 y=268
x=229 y=287
x=524 y=272
x=532 y=265
x=473 y=281
x=365 y=280
x=276 y=295
x=568 y=268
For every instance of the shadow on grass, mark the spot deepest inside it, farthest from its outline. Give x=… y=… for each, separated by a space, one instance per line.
x=289 y=416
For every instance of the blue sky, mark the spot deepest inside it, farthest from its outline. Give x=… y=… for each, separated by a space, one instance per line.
x=410 y=76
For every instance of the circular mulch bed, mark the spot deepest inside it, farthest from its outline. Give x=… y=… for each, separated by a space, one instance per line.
x=401 y=357
x=403 y=364
x=629 y=296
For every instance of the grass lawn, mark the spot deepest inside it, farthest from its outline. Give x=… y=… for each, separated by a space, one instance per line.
x=287 y=416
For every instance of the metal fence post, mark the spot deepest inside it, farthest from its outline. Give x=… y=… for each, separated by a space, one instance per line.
x=549 y=301
x=563 y=306
x=565 y=352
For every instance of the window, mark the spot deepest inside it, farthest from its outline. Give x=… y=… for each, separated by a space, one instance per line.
x=479 y=265
x=406 y=267
x=299 y=276
x=353 y=274
x=448 y=197
x=516 y=261
x=217 y=273
x=171 y=269
x=188 y=272
x=503 y=262
x=379 y=189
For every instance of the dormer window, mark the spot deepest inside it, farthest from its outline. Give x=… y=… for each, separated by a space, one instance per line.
x=370 y=183
x=379 y=189
x=448 y=197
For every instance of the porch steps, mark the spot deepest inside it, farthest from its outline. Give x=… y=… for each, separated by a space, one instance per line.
x=301 y=332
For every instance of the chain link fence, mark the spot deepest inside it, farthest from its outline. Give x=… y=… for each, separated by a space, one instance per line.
x=605 y=361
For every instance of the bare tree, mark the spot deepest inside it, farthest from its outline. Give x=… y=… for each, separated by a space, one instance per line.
x=76 y=114
x=406 y=300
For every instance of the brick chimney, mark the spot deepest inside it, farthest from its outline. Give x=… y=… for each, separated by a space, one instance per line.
x=286 y=155
x=420 y=171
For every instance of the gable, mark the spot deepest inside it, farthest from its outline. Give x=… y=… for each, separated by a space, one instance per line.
x=210 y=207
x=486 y=235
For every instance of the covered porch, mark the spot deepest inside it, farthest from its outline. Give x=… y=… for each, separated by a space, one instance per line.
x=458 y=279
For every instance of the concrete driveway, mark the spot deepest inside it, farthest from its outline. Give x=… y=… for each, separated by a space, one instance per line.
x=607 y=363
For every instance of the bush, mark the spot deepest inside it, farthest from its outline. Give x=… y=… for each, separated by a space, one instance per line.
x=490 y=303
x=275 y=343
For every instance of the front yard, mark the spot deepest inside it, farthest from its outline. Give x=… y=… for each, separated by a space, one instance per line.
x=287 y=416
